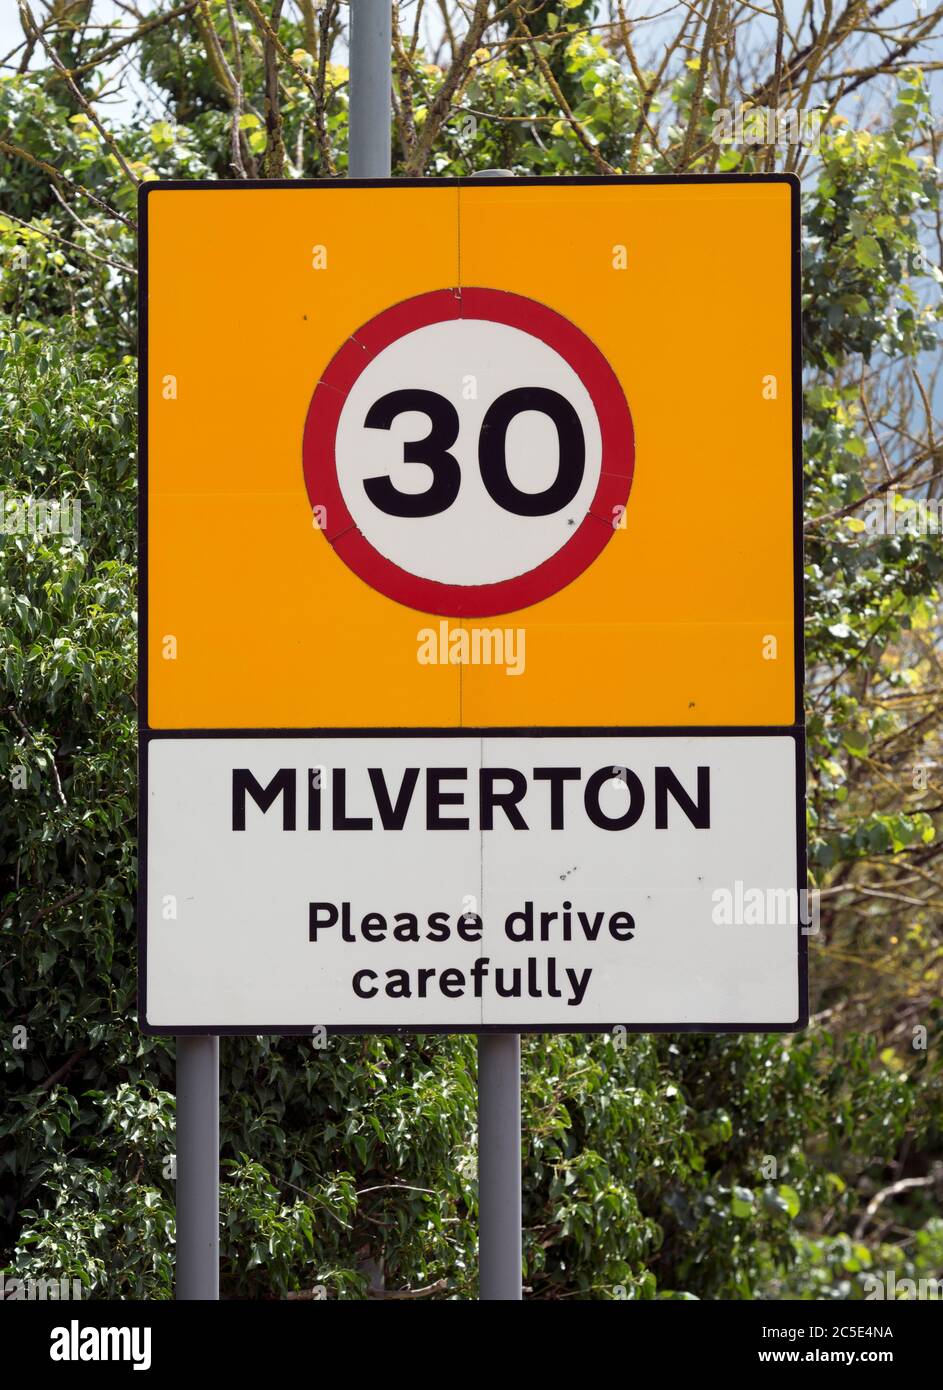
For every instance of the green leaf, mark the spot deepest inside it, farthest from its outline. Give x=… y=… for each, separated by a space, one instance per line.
x=791 y=1197
x=741 y=1203
x=868 y=252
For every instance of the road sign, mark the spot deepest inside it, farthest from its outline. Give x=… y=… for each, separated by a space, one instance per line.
x=471 y=606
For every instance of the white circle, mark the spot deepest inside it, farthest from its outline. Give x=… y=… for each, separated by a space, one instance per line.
x=471 y=362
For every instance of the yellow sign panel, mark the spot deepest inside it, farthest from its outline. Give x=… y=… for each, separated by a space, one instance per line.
x=452 y=455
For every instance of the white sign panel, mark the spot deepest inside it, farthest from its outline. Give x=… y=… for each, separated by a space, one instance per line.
x=466 y=882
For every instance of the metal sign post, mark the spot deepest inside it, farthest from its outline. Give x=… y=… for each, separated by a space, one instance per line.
x=499 y=1166
x=499 y=1077
x=499 y=1143
x=198 y=1056
x=371 y=48
x=499 y=1054
x=197 y=1168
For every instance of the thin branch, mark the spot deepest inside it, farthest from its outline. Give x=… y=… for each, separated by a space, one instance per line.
x=73 y=245
x=83 y=101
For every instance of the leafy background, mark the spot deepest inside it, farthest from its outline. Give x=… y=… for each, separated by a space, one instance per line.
x=654 y=1166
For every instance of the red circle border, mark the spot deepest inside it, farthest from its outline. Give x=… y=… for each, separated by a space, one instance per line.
x=558 y=570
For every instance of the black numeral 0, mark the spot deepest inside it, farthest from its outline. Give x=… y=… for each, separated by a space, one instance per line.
x=492 y=453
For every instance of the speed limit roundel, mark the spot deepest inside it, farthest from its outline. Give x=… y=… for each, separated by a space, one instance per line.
x=470 y=452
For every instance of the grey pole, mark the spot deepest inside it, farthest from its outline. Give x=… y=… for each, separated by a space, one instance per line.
x=371 y=101
x=499 y=1138
x=197 y=1168
x=499 y=1166
x=371 y=46
x=499 y=1054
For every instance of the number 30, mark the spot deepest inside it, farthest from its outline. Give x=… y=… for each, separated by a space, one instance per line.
x=433 y=451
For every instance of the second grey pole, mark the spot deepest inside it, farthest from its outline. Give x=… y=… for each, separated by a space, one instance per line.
x=371 y=101
x=499 y=1166
x=499 y=1054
